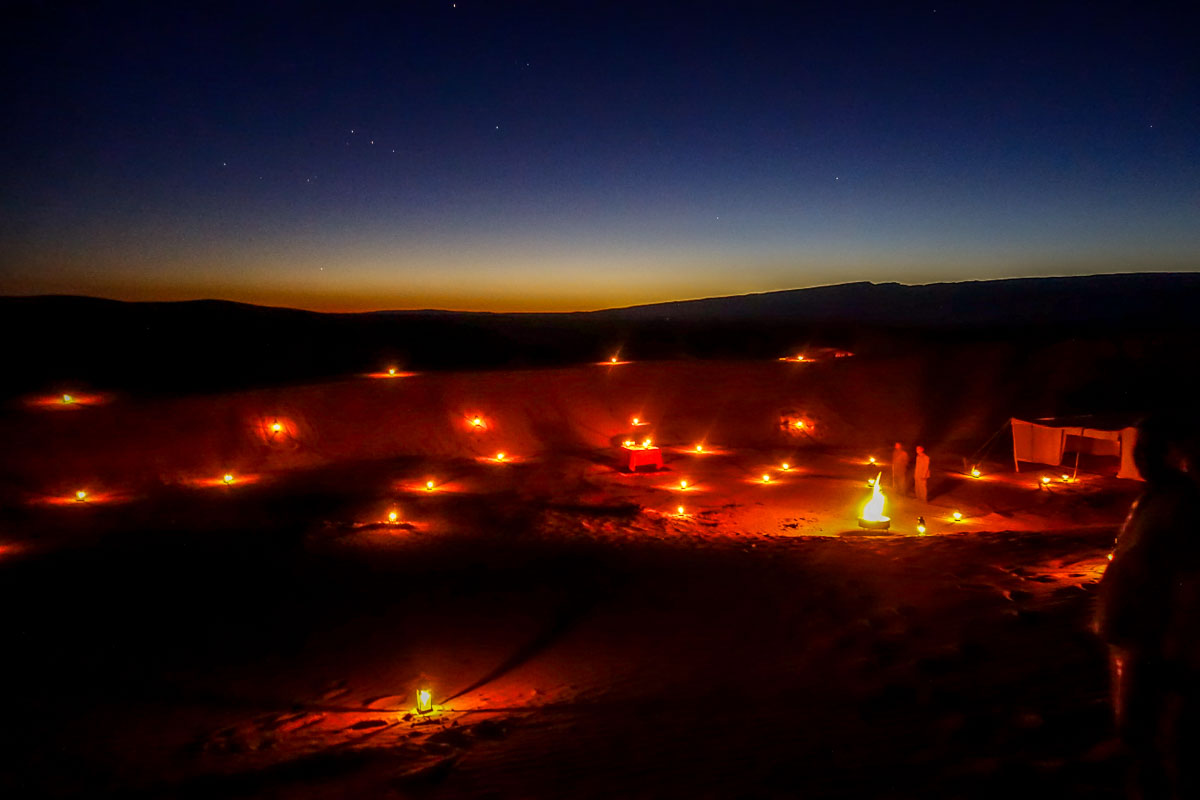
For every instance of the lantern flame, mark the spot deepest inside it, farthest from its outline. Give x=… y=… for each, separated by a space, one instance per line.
x=499 y=456
x=637 y=421
x=81 y=495
x=613 y=360
x=786 y=466
x=393 y=516
x=429 y=486
x=766 y=478
x=647 y=442
x=699 y=448
x=680 y=511
x=975 y=473
x=871 y=460
x=477 y=422
x=683 y=484
x=873 y=510
x=66 y=398
x=957 y=516
x=424 y=701
x=227 y=478
x=277 y=427
x=1045 y=479
x=391 y=370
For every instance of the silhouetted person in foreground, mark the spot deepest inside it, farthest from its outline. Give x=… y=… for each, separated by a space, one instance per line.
x=1148 y=620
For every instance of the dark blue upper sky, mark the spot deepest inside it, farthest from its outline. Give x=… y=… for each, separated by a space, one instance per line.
x=520 y=156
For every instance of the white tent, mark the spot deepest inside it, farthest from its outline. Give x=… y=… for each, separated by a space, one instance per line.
x=1044 y=441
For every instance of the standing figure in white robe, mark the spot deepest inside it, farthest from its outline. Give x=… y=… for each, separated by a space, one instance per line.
x=921 y=475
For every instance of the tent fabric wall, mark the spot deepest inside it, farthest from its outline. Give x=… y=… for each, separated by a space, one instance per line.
x=1041 y=444
x=1044 y=444
x=1128 y=467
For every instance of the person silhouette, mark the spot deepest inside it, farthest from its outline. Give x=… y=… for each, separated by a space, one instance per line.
x=1137 y=608
x=899 y=469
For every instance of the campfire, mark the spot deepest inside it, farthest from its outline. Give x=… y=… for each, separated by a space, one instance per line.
x=872 y=517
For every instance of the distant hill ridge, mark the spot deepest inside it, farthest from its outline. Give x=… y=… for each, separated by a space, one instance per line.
x=1163 y=299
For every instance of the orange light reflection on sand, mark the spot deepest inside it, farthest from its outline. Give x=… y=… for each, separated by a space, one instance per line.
x=91 y=498
x=388 y=375
x=78 y=400
x=227 y=480
x=274 y=429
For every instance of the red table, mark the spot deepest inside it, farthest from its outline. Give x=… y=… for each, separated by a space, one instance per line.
x=643 y=457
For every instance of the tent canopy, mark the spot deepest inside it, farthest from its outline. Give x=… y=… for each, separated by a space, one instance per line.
x=1043 y=441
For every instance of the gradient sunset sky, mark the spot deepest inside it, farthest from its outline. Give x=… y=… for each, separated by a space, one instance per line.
x=568 y=156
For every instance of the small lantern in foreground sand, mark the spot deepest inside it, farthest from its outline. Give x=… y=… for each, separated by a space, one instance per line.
x=391 y=370
x=227 y=478
x=477 y=422
x=1045 y=480
x=766 y=478
x=66 y=398
x=429 y=486
x=957 y=516
x=786 y=466
x=424 y=701
x=921 y=525
x=679 y=511
x=613 y=360
x=499 y=456
x=699 y=448
x=80 y=496
x=276 y=427
x=871 y=460
x=975 y=473
x=683 y=484
x=393 y=516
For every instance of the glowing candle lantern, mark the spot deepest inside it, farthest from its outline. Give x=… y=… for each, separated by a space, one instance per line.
x=800 y=424
x=68 y=399
x=786 y=466
x=921 y=525
x=393 y=516
x=1045 y=480
x=1110 y=555
x=429 y=486
x=227 y=478
x=277 y=427
x=699 y=448
x=975 y=473
x=870 y=481
x=477 y=422
x=637 y=421
x=647 y=442
x=871 y=460
x=499 y=456
x=683 y=484
x=766 y=478
x=80 y=496
x=679 y=511
x=957 y=516
x=613 y=360
x=391 y=370
x=630 y=443
x=424 y=701
x=1066 y=478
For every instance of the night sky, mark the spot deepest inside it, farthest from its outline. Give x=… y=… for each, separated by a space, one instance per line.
x=562 y=156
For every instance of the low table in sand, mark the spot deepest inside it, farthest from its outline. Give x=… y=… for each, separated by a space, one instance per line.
x=643 y=457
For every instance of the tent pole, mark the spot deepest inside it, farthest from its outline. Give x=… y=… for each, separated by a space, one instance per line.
x=1075 y=474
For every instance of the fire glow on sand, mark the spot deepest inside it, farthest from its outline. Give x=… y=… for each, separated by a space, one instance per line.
x=872 y=517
